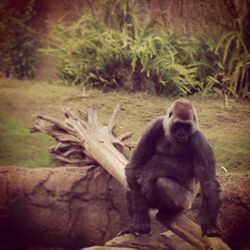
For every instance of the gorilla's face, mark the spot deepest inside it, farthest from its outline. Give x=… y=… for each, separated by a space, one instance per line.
x=181 y=121
x=181 y=131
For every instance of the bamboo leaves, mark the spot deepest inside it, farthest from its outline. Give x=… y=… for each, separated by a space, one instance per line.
x=142 y=58
x=233 y=50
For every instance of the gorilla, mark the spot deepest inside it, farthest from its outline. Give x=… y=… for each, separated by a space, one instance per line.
x=170 y=163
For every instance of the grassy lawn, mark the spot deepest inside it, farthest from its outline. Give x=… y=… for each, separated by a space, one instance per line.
x=227 y=129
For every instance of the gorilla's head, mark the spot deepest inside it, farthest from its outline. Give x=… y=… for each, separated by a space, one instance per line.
x=181 y=121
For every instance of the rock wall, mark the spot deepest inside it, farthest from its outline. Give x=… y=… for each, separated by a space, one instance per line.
x=74 y=207
x=67 y=207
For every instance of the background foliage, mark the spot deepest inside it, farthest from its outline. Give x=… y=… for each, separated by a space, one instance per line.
x=120 y=51
x=18 y=44
x=168 y=49
x=233 y=50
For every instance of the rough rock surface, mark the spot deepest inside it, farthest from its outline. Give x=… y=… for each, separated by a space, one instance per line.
x=69 y=207
x=72 y=207
x=234 y=217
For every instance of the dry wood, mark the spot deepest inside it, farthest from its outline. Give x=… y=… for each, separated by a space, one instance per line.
x=97 y=143
x=191 y=232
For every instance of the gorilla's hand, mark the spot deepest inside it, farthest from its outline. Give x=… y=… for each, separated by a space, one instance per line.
x=142 y=223
x=135 y=230
x=210 y=231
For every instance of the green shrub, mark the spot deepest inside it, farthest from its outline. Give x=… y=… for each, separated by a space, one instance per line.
x=132 y=57
x=18 y=43
x=233 y=78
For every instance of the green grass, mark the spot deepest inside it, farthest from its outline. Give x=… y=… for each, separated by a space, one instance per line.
x=18 y=146
x=227 y=129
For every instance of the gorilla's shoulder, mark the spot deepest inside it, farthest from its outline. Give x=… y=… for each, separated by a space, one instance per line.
x=156 y=123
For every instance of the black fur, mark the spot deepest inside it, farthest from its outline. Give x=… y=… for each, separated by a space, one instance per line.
x=159 y=175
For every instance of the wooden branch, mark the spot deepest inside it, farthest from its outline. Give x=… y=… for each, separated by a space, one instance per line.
x=98 y=144
x=51 y=120
x=92 y=116
x=66 y=160
x=191 y=232
x=125 y=136
x=111 y=124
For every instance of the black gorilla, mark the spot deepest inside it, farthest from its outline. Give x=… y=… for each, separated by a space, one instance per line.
x=170 y=162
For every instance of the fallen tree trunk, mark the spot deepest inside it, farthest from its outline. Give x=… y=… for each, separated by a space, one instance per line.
x=99 y=144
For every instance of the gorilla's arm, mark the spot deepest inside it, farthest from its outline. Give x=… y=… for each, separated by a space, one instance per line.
x=137 y=206
x=143 y=152
x=145 y=148
x=204 y=170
